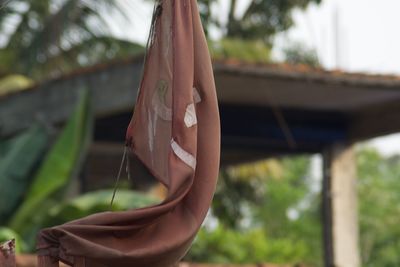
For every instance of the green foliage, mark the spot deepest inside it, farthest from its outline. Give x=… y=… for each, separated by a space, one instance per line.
x=94 y=202
x=249 y=51
x=19 y=158
x=60 y=164
x=50 y=37
x=248 y=36
x=299 y=54
x=252 y=206
x=261 y=20
x=224 y=245
x=8 y=234
x=379 y=208
x=240 y=187
x=290 y=211
x=267 y=212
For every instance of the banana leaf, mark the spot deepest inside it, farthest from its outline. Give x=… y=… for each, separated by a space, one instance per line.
x=19 y=157
x=4 y=147
x=61 y=164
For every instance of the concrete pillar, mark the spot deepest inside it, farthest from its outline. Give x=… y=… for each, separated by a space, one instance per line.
x=340 y=212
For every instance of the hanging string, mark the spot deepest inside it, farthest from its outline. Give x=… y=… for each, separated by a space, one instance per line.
x=127 y=167
x=284 y=127
x=280 y=118
x=119 y=175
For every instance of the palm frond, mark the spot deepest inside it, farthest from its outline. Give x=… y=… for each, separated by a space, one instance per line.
x=30 y=19
x=49 y=28
x=86 y=53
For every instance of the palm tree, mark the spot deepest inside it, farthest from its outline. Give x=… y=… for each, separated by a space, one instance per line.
x=48 y=37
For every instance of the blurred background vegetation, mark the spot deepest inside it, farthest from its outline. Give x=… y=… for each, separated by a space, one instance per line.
x=267 y=211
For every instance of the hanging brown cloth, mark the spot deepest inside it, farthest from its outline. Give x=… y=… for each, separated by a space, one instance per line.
x=175 y=133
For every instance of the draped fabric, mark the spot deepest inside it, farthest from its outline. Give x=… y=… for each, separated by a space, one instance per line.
x=175 y=134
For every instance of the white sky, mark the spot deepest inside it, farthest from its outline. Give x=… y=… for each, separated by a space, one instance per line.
x=366 y=30
x=353 y=35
